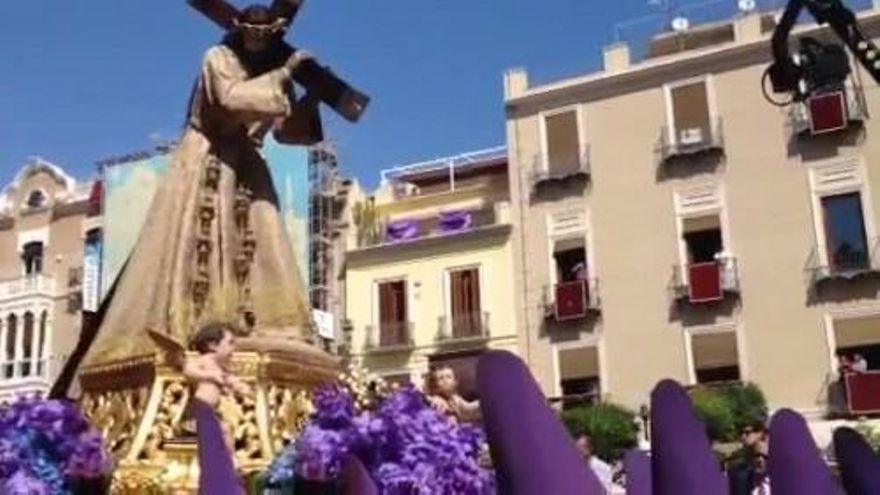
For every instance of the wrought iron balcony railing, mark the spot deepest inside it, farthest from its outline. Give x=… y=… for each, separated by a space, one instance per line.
x=677 y=141
x=574 y=300
x=706 y=282
x=468 y=326
x=545 y=170
x=390 y=336
x=843 y=264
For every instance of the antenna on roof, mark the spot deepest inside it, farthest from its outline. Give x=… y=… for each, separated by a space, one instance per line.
x=746 y=5
x=680 y=24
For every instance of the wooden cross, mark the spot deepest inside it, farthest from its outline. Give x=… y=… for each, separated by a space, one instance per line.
x=315 y=78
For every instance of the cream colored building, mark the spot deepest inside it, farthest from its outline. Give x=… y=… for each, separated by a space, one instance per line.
x=46 y=219
x=675 y=224
x=429 y=265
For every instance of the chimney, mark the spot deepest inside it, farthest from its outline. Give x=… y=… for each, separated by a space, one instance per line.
x=747 y=27
x=617 y=57
x=516 y=83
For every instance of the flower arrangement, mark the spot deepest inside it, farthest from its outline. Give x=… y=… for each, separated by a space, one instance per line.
x=44 y=444
x=409 y=448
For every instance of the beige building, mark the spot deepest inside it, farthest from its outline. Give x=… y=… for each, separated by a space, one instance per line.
x=676 y=224
x=428 y=267
x=46 y=219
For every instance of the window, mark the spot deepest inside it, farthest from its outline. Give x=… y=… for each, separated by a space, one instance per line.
x=578 y=376
x=845 y=238
x=563 y=143
x=392 y=313
x=464 y=292
x=691 y=117
x=570 y=258
x=715 y=357
x=11 y=338
x=36 y=199
x=41 y=345
x=32 y=258
x=27 y=345
x=703 y=238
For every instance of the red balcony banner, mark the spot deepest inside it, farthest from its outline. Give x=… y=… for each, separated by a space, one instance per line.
x=863 y=392
x=705 y=282
x=571 y=300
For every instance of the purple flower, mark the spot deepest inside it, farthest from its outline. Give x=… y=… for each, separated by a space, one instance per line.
x=334 y=406
x=48 y=440
x=21 y=483
x=409 y=448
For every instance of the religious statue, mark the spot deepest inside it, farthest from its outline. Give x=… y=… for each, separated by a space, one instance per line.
x=213 y=250
x=213 y=246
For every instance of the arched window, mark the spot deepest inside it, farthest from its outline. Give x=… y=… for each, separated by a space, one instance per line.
x=27 y=345
x=42 y=352
x=11 y=336
x=36 y=199
x=32 y=257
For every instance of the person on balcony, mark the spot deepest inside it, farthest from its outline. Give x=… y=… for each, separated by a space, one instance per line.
x=859 y=364
x=443 y=396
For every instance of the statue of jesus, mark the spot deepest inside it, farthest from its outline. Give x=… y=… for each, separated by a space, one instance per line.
x=213 y=246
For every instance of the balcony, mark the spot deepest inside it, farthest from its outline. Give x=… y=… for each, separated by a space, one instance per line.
x=445 y=225
x=468 y=327
x=704 y=283
x=31 y=285
x=862 y=393
x=389 y=337
x=827 y=113
x=544 y=172
x=843 y=266
x=680 y=143
x=23 y=377
x=572 y=301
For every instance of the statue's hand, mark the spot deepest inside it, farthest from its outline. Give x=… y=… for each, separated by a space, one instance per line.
x=295 y=61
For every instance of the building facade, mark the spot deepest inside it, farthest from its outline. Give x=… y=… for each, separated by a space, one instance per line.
x=677 y=225
x=47 y=221
x=428 y=268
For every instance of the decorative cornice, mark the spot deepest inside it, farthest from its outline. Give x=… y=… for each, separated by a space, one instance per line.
x=601 y=84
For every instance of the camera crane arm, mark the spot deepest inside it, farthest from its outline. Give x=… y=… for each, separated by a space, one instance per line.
x=785 y=73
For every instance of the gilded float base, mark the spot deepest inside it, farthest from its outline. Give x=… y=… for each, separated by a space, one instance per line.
x=139 y=405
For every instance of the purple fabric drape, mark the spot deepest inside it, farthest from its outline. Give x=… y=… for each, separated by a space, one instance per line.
x=859 y=465
x=682 y=462
x=454 y=221
x=355 y=478
x=637 y=466
x=217 y=474
x=794 y=465
x=402 y=230
x=531 y=451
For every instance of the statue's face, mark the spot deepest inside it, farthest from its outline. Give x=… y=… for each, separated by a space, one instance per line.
x=254 y=40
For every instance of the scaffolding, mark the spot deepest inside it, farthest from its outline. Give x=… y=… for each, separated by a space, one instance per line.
x=326 y=202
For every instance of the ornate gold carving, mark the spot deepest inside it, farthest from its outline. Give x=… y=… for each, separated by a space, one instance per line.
x=175 y=395
x=289 y=409
x=117 y=414
x=257 y=426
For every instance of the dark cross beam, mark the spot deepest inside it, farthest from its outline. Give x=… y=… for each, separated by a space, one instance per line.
x=315 y=78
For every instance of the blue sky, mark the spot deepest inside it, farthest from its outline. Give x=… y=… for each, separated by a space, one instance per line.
x=85 y=80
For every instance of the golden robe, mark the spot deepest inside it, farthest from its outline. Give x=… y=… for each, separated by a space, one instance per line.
x=213 y=246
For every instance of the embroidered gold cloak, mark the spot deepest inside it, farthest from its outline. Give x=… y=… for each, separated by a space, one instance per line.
x=213 y=246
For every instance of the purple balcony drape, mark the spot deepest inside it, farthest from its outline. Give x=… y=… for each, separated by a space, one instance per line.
x=402 y=230
x=454 y=221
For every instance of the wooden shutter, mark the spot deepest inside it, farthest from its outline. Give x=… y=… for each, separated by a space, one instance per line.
x=563 y=144
x=690 y=107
